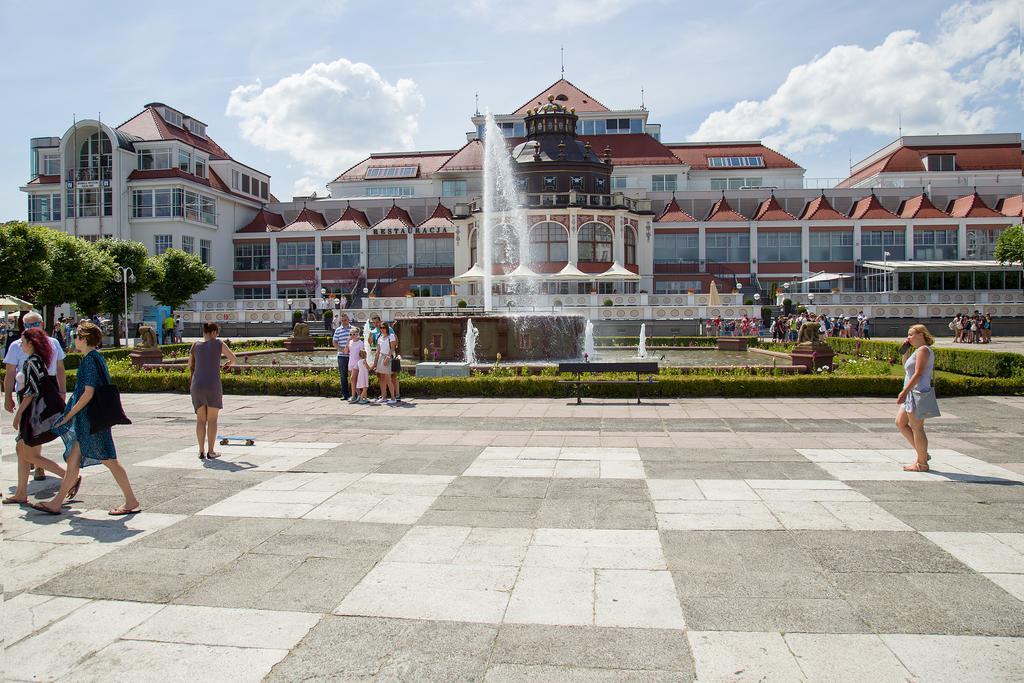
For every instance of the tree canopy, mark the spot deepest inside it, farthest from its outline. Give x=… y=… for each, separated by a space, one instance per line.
x=24 y=269
x=79 y=271
x=180 y=276
x=1010 y=246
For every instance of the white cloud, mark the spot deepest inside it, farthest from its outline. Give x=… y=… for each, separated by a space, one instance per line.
x=329 y=116
x=546 y=14
x=933 y=87
x=305 y=186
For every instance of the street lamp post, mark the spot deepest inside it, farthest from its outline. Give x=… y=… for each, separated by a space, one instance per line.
x=810 y=299
x=125 y=274
x=885 y=272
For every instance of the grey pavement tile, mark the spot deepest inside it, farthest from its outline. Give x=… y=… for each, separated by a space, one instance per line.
x=479 y=518
x=186 y=502
x=506 y=487
x=117 y=584
x=754 y=583
x=876 y=551
x=592 y=647
x=217 y=533
x=828 y=425
x=684 y=455
x=922 y=491
x=353 y=648
x=500 y=673
x=821 y=615
x=695 y=425
x=751 y=469
x=599 y=490
x=1012 y=492
x=318 y=584
x=737 y=552
x=242 y=583
x=959 y=516
x=333 y=539
x=760 y=426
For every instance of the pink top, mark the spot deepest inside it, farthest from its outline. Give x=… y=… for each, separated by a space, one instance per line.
x=363 y=380
x=354 y=347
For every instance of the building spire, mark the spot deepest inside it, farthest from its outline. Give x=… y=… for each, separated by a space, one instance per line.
x=562 y=52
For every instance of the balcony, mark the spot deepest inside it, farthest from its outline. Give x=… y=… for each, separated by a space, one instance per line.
x=537 y=200
x=89 y=174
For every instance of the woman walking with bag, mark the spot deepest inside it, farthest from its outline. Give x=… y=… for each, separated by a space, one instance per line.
x=40 y=406
x=206 y=389
x=85 y=426
x=917 y=400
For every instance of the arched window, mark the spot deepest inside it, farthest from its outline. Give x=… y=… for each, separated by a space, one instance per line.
x=595 y=243
x=549 y=242
x=472 y=249
x=630 y=245
x=506 y=251
x=95 y=151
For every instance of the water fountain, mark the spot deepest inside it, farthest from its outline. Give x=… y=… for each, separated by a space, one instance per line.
x=641 y=349
x=470 y=342
x=588 y=341
x=367 y=331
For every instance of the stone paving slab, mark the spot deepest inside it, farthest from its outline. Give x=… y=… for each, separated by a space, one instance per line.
x=487 y=539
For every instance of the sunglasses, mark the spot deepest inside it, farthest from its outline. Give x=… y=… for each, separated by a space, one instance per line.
x=29 y=326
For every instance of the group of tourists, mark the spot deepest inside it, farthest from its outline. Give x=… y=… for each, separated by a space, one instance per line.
x=739 y=327
x=971 y=329
x=358 y=358
x=786 y=328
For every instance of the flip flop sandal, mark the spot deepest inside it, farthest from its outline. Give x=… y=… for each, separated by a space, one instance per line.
x=202 y=456
x=916 y=467
x=121 y=512
x=39 y=506
x=9 y=501
x=74 y=489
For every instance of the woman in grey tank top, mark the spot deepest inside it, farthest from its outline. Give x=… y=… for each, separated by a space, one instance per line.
x=917 y=400
x=205 y=387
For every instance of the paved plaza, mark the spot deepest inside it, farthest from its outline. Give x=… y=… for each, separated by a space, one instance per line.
x=476 y=539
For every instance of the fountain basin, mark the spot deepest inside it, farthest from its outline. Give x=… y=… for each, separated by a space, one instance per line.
x=515 y=337
x=432 y=369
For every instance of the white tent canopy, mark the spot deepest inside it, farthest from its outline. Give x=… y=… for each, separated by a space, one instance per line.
x=474 y=274
x=570 y=272
x=617 y=272
x=522 y=272
x=824 y=277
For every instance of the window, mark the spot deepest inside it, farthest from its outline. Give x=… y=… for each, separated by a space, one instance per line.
x=434 y=252
x=874 y=244
x=188 y=244
x=736 y=183
x=549 y=242
x=264 y=190
x=431 y=290
x=663 y=183
x=196 y=128
x=162 y=243
x=390 y=191
x=156 y=203
x=170 y=116
x=340 y=253
x=252 y=256
x=616 y=126
x=935 y=245
x=51 y=164
x=296 y=255
x=981 y=244
x=728 y=247
x=206 y=251
x=153 y=159
x=292 y=293
x=832 y=246
x=550 y=182
x=677 y=286
x=595 y=243
x=236 y=180
x=195 y=207
x=513 y=129
x=391 y=172
x=735 y=162
x=620 y=182
x=245 y=183
x=200 y=166
x=576 y=182
x=386 y=253
x=252 y=292
x=594 y=127
x=629 y=244
x=453 y=188
x=88 y=204
x=777 y=247
x=94 y=158
x=940 y=162
x=43 y=208
x=472 y=249
x=185 y=160
x=676 y=248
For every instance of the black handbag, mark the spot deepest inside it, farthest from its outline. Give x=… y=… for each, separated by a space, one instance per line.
x=46 y=410
x=105 y=408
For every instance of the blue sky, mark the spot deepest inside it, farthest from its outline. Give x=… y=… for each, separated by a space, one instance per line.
x=303 y=89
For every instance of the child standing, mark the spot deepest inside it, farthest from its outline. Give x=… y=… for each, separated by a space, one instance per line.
x=363 y=379
x=356 y=352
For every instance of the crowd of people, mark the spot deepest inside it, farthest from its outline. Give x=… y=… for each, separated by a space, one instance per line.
x=786 y=327
x=971 y=329
x=358 y=358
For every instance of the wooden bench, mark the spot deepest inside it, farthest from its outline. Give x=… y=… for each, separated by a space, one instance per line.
x=577 y=368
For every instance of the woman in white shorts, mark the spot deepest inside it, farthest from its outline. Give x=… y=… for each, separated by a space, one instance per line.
x=385 y=352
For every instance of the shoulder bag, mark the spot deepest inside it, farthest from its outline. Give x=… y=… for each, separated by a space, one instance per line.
x=105 y=408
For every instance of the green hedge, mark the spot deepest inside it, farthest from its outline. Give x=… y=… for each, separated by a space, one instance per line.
x=973 y=362
x=72 y=360
x=666 y=341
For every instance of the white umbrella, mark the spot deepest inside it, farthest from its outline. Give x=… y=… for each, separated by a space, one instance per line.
x=713 y=298
x=570 y=272
x=13 y=303
x=824 y=277
x=474 y=274
x=618 y=272
x=522 y=272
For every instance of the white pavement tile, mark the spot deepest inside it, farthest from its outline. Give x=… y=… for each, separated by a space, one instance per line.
x=987 y=553
x=726 y=489
x=732 y=656
x=865 y=517
x=28 y=564
x=959 y=658
x=557 y=462
x=158 y=662
x=224 y=626
x=266 y=456
x=1011 y=583
x=887 y=465
x=674 y=489
x=27 y=613
x=636 y=599
x=54 y=651
x=804 y=515
x=711 y=515
x=547 y=595
x=846 y=657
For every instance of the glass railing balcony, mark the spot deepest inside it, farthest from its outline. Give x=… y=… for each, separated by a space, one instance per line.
x=89 y=173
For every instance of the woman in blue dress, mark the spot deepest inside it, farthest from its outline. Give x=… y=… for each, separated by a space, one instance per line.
x=81 y=447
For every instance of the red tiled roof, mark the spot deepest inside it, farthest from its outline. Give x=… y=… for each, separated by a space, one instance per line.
x=721 y=211
x=771 y=210
x=870 y=208
x=697 y=155
x=264 y=221
x=636 y=149
x=308 y=219
x=819 y=209
x=468 y=157
x=970 y=206
x=45 y=180
x=920 y=207
x=149 y=125
x=351 y=219
x=567 y=95
x=427 y=162
x=396 y=217
x=910 y=159
x=1011 y=206
x=673 y=214
x=440 y=218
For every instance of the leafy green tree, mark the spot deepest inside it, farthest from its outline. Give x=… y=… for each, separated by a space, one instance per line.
x=23 y=267
x=181 y=276
x=1010 y=246
x=130 y=254
x=79 y=271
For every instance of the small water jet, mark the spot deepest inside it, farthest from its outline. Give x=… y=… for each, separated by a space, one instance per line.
x=641 y=349
x=588 y=341
x=470 y=342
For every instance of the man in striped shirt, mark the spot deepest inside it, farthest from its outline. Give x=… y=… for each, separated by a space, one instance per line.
x=340 y=341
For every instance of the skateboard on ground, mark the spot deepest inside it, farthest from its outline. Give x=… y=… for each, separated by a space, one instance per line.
x=240 y=440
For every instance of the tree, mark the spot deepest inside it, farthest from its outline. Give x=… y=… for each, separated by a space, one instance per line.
x=79 y=271
x=23 y=267
x=180 y=276
x=130 y=254
x=1010 y=246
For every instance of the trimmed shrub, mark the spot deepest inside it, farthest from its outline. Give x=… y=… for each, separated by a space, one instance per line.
x=665 y=341
x=973 y=362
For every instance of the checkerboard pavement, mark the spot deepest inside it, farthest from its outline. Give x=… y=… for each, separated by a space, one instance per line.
x=501 y=539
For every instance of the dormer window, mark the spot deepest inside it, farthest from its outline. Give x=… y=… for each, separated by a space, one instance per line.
x=736 y=162
x=391 y=172
x=196 y=128
x=172 y=117
x=200 y=166
x=940 y=162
